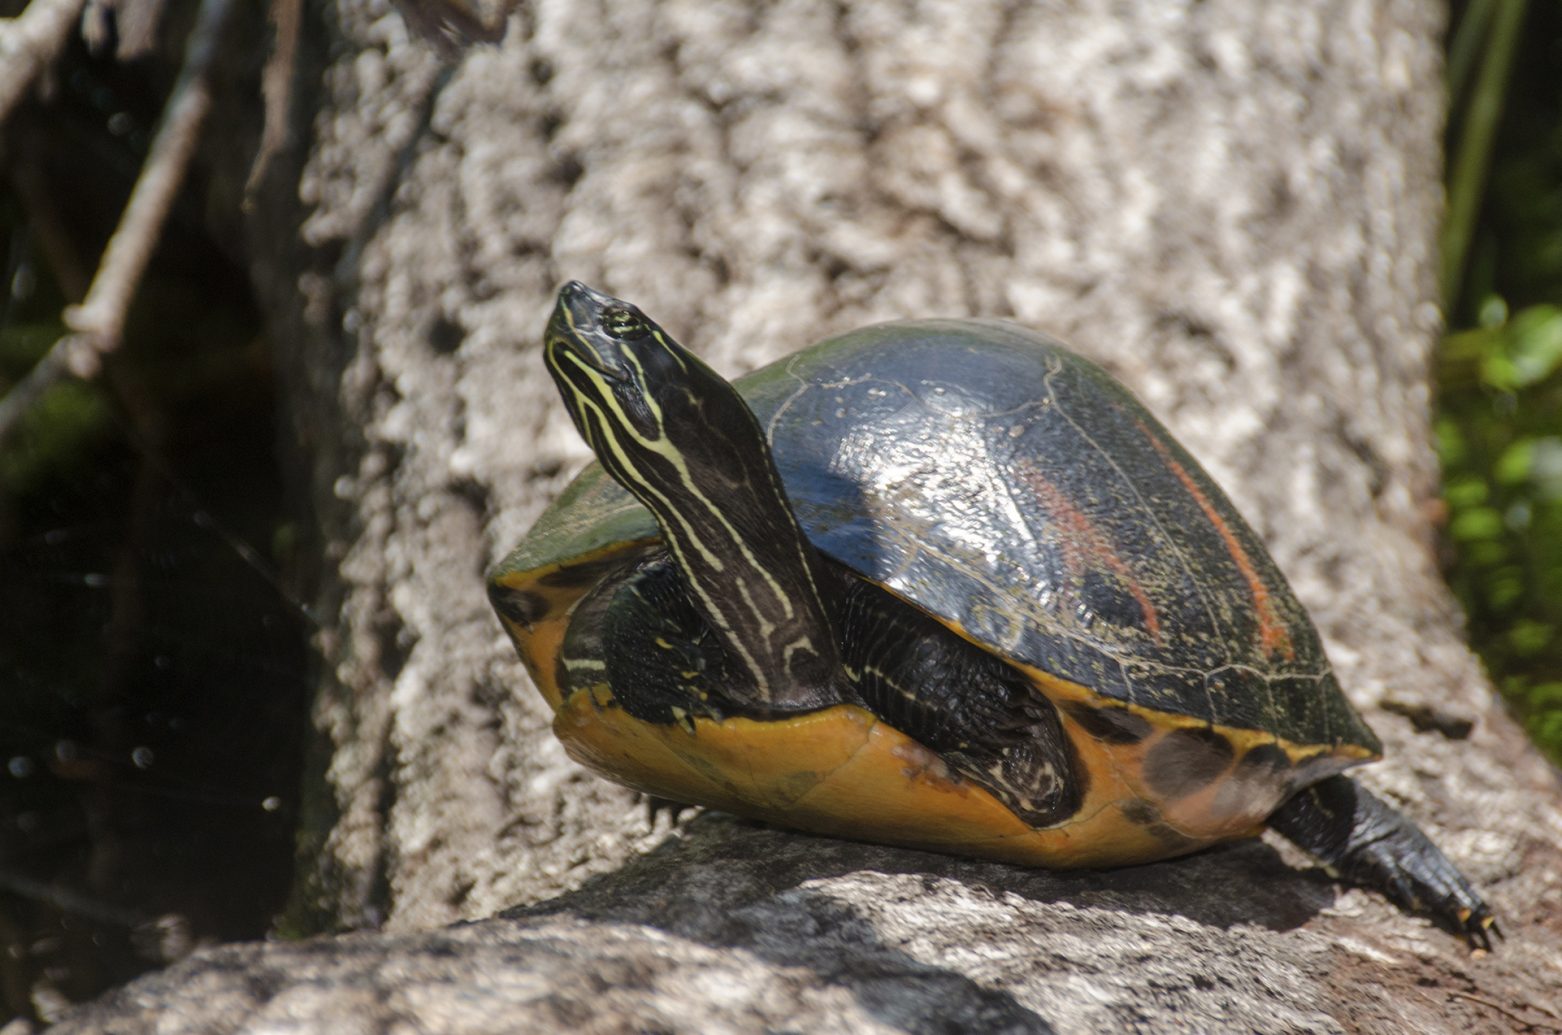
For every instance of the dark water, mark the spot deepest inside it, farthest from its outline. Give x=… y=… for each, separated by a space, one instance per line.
x=152 y=686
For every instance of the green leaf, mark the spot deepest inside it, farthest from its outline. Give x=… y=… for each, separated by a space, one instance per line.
x=1535 y=348
x=1543 y=695
x=1493 y=313
x=1451 y=447
x=1504 y=590
x=1485 y=553
x=1529 y=637
x=1545 y=466
x=1475 y=524
x=1465 y=493
x=1513 y=466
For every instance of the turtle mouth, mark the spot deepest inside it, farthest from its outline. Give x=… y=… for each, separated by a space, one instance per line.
x=566 y=344
x=574 y=323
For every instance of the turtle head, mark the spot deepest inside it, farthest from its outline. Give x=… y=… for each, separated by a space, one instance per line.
x=647 y=406
x=681 y=439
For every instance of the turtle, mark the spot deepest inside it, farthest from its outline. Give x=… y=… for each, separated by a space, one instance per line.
x=942 y=584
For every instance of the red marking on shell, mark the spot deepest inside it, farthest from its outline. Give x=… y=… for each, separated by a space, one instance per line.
x=1272 y=635
x=1081 y=532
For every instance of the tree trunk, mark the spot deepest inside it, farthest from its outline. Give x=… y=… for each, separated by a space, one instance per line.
x=1230 y=205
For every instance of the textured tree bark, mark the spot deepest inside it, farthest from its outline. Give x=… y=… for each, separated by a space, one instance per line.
x=1230 y=205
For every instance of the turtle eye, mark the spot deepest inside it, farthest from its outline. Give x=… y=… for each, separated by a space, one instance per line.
x=623 y=324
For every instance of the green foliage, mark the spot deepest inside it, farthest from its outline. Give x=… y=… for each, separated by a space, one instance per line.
x=1499 y=429
x=60 y=429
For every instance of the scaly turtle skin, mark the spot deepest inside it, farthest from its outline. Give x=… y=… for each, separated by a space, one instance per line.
x=941 y=584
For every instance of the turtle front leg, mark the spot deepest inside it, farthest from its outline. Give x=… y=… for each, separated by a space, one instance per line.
x=1369 y=843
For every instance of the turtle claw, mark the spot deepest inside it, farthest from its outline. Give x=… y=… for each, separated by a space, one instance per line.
x=655 y=806
x=1478 y=927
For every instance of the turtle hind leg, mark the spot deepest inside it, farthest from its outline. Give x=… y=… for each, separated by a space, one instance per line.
x=1371 y=844
x=981 y=716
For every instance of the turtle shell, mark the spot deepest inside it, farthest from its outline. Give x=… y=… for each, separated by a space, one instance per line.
x=1022 y=496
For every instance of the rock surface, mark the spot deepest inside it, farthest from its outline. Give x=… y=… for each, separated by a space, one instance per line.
x=732 y=927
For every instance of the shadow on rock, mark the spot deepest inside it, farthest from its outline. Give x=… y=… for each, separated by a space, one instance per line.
x=728 y=883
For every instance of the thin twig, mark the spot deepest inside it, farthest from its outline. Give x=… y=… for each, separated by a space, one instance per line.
x=276 y=86
x=454 y=25
x=29 y=44
x=68 y=901
x=102 y=314
x=45 y=223
x=98 y=322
